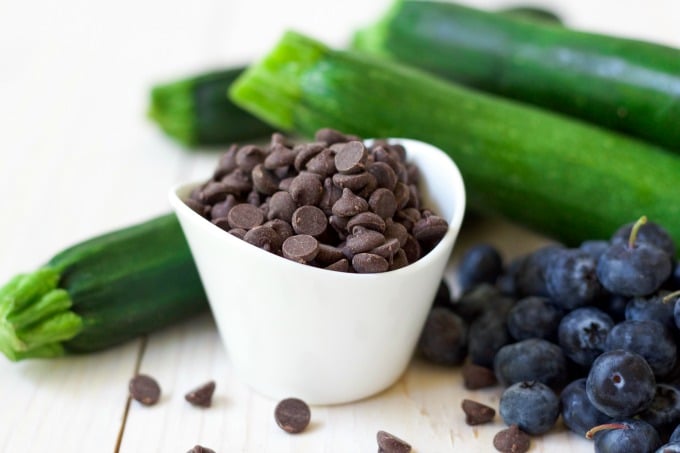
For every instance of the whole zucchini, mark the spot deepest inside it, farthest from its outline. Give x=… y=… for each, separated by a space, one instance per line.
x=102 y=292
x=562 y=177
x=623 y=84
x=195 y=110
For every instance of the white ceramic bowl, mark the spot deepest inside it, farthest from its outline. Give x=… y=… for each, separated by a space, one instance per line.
x=293 y=330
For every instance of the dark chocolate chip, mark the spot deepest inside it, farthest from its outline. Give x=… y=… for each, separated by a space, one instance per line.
x=368 y=220
x=477 y=377
x=305 y=152
x=389 y=443
x=197 y=206
x=329 y=136
x=279 y=157
x=383 y=154
x=214 y=192
x=281 y=206
x=398 y=231
x=322 y=164
x=399 y=260
x=144 y=389
x=351 y=157
x=284 y=184
x=412 y=249
x=414 y=197
x=512 y=440
x=278 y=139
x=264 y=180
x=292 y=415
x=477 y=413
x=226 y=164
x=221 y=209
x=238 y=182
x=388 y=249
x=238 y=232
x=309 y=220
x=349 y=204
x=301 y=248
x=355 y=182
x=363 y=240
x=383 y=203
x=247 y=157
x=339 y=224
x=264 y=237
x=342 y=265
x=398 y=150
x=245 y=216
x=306 y=189
x=329 y=254
x=253 y=198
x=369 y=263
x=401 y=195
x=331 y=194
x=201 y=396
x=384 y=175
x=430 y=229
x=200 y=449
x=413 y=173
x=222 y=222
x=282 y=228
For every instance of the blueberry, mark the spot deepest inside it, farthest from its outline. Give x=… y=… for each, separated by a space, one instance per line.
x=530 y=405
x=444 y=337
x=594 y=247
x=651 y=233
x=625 y=436
x=675 y=435
x=664 y=412
x=620 y=383
x=582 y=334
x=673 y=282
x=443 y=296
x=531 y=360
x=482 y=298
x=651 y=339
x=506 y=282
x=633 y=268
x=530 y=277
x=614 y=305
x=578 y=413
x=480 y=264
x=570 y=278
x=651 y=308
x=486 y=336
x=534 y=317
x=670 y=447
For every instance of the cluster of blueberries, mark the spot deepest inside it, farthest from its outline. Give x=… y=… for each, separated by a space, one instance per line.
x=590 y=333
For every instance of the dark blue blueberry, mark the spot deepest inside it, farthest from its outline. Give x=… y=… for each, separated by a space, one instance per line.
x=651 y=308
x=673 y=282
x=626 y=436
x=487 y=334
x=506 y=282
x=620 y=383
x=614 y=305
x=443 y=296
x=534 y=317
x=664 y=412
x=531 y=360
x=578 y=413
x=530 y=405
x=482 y=298
x=675 y=435
x=651 y=339
x=594 y=247
x=444 y=337
x=480 y=264
x=530 y=277
x=674 y=300
x=651 y=233
x=570 y=278
x=582 y=334
x=670 y=447
x=633 y=267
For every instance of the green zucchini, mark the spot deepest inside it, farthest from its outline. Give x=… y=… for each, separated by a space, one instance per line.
x=623 y=84
x=565 y=178
x=102 y=292
x=196 y=111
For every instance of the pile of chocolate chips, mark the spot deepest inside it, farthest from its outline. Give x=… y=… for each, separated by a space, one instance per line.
x=332 y=203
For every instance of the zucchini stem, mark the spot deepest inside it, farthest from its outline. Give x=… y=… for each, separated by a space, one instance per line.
x=35 y=316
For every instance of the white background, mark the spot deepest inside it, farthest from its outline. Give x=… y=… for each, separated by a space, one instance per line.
x=79 y=157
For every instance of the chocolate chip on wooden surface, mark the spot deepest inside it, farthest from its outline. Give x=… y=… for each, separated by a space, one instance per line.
x=477 y=377
x=202 y=395
x=512 y=440
x=477 y=413
x=144 y=389
x=292 y=415
x=389 y=443
x=200 y=449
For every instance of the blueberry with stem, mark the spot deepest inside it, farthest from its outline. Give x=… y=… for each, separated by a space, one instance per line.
x=624 y=436
x=633 y=268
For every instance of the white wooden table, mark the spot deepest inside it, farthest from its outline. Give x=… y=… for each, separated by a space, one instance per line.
x=79 y=158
